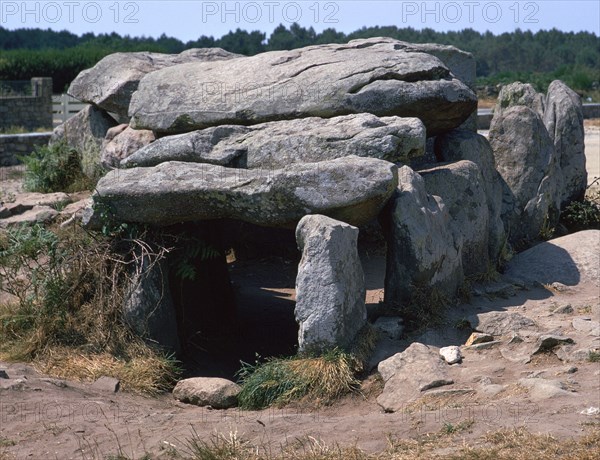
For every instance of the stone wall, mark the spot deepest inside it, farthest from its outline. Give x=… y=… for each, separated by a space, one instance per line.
x=12 y=145
x=30 y=112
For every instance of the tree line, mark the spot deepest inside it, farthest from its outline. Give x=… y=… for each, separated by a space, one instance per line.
x=537 y=58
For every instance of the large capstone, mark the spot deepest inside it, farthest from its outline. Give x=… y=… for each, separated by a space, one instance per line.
x=378 y=75
x=112 y=81
x=330 y=287
x=350 y=189
x=278 y=144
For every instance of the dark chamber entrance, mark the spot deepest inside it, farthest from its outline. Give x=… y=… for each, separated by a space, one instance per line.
x=241 y=306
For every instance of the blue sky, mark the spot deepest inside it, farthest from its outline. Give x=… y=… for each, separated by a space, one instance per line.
x=188 y=19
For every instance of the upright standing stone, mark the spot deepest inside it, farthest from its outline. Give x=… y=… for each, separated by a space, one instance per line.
x=85 y=132
x=421 y=249
x=522 y=94
x=525 y=158
x=460 y=185
x=148 y=307
x=462 y=144
x=563 y=117
x=330 y=287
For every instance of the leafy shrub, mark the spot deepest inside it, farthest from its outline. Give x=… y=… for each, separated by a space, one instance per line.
x=54 y=168
x=69 y=287
x=582 y=215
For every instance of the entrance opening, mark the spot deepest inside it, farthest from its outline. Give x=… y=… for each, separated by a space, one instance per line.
x=239 y=306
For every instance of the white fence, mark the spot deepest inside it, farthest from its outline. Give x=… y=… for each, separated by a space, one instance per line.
x=64 y=107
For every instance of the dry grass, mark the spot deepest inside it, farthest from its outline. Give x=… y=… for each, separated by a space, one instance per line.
x=504 y=444
x=486 y=103
x=279 y=381
x=70 y=287
x=144 y=372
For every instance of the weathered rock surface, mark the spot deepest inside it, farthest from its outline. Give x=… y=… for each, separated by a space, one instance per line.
x=460 y=185
x=330 y=286
x=519 y=94
x=112 y=81
x=148 y=306
x=35 y=215
x=498 y=323
x=215 y=392
x=390 y=327
x=460 y=63
x=451 y=354
x=350 y=189
x=376 y=75
x=281 y=143
x=547 y=342
x=461 y=144
x=107 y=384
x=85 y=132
x=421 y=250
x=570 y=260
x=26 y=201
x=478 y=337
x=525 y=159
x=563 y=117
x=119 y=145
x=541 y=389
x=585 y=324
x=416 y=369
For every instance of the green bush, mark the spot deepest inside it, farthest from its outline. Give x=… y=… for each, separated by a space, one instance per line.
x=582 y=215
x=55 y=168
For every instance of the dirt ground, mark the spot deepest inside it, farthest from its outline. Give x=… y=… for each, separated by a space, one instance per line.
x=42 y=417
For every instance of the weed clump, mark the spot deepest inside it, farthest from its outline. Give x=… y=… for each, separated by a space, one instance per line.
x=55 y=168
x=68 y=287
x=582 y=215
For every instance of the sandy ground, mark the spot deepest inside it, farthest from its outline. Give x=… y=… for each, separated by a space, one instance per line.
x=592 y=152
x=49 y=418
x=41 y=417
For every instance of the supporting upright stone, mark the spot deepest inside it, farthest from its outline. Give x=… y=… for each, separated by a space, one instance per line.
x=421 y=249
x=330 y=287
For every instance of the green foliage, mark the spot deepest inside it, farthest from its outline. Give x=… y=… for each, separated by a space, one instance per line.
x=281 y=380
x=54 y=168
x=582 y=215
x=191 y=249
x=593 y=357
x=537 y=58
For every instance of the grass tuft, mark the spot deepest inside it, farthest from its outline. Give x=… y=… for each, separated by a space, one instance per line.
x=281 y=380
